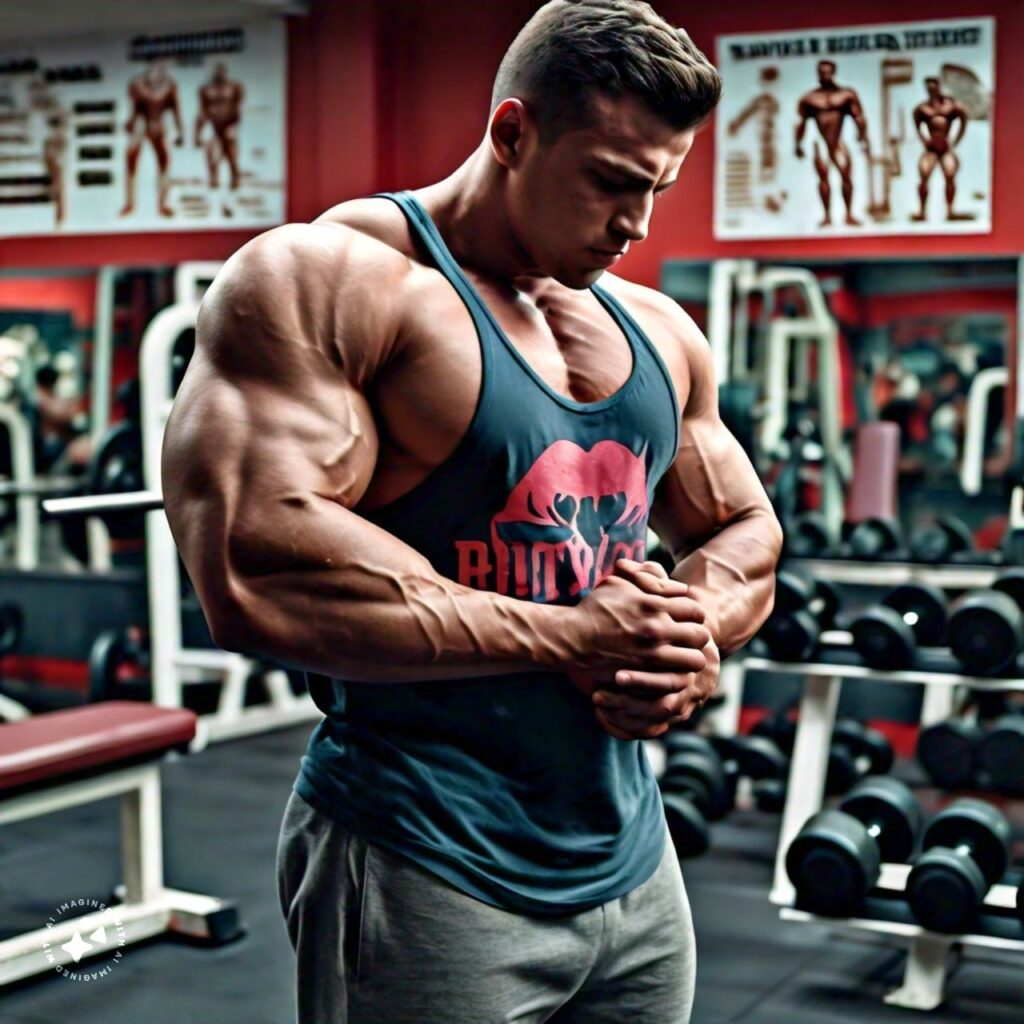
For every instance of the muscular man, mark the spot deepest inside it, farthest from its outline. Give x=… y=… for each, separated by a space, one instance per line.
x=415 y=454
x=152 y=95
x=934 y=120
x=829 y=106
x=220 y=105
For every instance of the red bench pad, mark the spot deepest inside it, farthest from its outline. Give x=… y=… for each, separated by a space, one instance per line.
x=58 y=743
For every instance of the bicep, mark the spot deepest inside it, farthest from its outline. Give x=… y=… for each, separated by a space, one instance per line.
x=711 y=482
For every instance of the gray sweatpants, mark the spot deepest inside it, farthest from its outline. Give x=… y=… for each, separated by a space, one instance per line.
x=380 y=940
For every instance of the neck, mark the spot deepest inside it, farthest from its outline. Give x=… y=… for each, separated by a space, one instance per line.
x=468 y=208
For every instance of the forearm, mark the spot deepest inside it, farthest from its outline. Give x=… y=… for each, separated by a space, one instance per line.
x=732 y=577
x=348 y=599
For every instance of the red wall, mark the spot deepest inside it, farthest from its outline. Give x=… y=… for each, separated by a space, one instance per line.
x=394 y=94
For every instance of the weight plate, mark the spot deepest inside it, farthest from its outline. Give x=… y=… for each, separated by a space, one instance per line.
x=770 y=795
x=1011 y=583
x=708 y=772
x=842 y=771
x=924 y=608
x=678 y=741
x=883 y=639
x=759 y=758
x=977 y=825
x=947 y=750
x=890 y=805
x=779 y=728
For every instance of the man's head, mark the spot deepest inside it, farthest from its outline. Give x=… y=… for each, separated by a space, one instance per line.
x=594 y=109
x=934 y=87
x=826 y=72
x=156 y=73
x=220 y=73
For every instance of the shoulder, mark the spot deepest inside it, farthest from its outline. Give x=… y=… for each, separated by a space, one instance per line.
x=375 y=217
x=317 y=284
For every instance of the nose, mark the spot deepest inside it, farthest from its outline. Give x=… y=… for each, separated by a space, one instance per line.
x=632 y=220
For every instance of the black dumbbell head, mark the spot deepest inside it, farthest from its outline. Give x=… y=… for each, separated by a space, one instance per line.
x=925 y=607
x=1000 y=756
x=889 y=804
x=680 y=741
x=807 y=536
x=865 y=743
x=759 y=757
x=883 y=639
x=1011 y=583
x=791 y=636
x=832 y=863
x=686 y=825
x=945 y=890
x=873 y=538
x=935 y=542
x=979 y=825
x=792 y=593
x=779 y=728
x=947 y=751
x=828 y=594
x=703 y=778
x=986 y=631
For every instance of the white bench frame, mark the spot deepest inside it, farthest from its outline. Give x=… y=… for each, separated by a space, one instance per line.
x=147 y=906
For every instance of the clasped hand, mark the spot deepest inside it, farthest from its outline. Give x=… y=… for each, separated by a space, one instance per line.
x=633 y=704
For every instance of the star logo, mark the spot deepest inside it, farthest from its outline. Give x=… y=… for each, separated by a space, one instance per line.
x=77 y=947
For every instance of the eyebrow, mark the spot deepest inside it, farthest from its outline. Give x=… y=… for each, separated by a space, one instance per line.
x=631 y=177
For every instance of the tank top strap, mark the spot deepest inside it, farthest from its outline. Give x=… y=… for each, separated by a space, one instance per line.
x=426 y=231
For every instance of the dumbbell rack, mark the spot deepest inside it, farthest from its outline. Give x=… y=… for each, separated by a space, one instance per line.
x=928 y=955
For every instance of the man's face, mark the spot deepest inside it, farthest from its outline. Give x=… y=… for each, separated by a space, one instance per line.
x=579 y=201
x=156 y=73
x=826 y=72
x=220 y=74
x=932 y=85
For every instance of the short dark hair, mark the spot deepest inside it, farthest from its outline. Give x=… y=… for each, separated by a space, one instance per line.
x=827 y=63
x=571 y=49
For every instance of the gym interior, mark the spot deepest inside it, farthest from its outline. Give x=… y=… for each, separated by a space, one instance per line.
x=847 y=806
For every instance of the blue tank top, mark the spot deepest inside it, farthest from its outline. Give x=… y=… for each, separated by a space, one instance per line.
x=506 y=786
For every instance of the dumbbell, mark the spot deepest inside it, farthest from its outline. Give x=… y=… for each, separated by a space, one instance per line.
x=856 y=752
x=807 y=536
x=874 y=538
x=693 y=765
x=999 y=757
x=986 y=627
x=887 y=635
x=947 y=752
x=694 y=790
x=802 y=612
x=938 y=541
x=966 y=850
x=837 y=856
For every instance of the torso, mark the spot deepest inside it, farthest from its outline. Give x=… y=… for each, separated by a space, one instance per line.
x=153 y=102
x=828 y=107
x=220 y=103
x=424 y=397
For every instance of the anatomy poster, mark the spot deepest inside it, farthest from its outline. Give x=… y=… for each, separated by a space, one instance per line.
x=169 y=132
x=867 y=130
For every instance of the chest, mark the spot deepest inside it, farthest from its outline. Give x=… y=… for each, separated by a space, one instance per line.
x=425 y=399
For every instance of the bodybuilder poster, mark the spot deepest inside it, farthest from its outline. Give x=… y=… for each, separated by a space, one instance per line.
x=870 y=130
x=152 y=133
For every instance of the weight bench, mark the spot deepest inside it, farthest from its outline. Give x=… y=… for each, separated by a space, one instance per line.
x=67 y=758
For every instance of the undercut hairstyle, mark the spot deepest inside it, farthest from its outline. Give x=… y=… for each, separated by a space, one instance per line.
x=571 y=49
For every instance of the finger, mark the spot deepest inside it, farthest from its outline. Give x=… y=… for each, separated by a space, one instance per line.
x=685 y=634
x=669 y=658
x=652 y=684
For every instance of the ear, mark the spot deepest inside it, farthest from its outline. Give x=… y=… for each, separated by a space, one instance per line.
x=509 y=124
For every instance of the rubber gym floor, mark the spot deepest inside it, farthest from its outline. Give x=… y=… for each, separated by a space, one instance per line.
x=222 y=809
